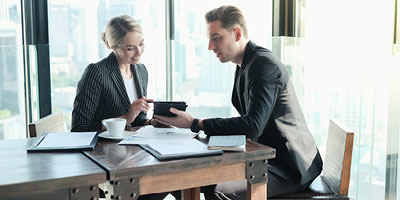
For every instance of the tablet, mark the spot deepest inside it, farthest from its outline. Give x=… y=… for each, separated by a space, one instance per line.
x=162 y=107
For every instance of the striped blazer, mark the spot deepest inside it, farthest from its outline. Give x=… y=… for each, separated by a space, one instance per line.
x=101 y=94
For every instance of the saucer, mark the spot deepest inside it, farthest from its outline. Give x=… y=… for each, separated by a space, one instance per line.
x=106 y=135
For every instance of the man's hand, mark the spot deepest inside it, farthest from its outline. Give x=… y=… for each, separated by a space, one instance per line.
x=158 y=124
x=182 y=120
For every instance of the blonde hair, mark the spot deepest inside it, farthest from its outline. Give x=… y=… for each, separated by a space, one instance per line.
x=117 y=28
x=230 y=16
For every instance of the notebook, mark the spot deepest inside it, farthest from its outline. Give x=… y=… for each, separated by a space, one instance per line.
x=227 y=142
x=64 y=141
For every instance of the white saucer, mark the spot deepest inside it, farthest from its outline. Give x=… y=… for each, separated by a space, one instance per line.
x=106 y=135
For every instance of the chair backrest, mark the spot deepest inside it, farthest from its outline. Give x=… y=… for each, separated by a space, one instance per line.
x=338 y=154
x=51 y=123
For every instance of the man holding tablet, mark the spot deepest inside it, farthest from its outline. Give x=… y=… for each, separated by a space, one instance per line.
x=270 y=114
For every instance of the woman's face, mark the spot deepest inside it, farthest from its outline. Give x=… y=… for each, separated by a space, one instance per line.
x=131 y=48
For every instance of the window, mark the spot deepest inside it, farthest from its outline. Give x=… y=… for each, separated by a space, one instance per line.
x=198 y=76
x=341 y=66
x=396 y=29
x=12 y=96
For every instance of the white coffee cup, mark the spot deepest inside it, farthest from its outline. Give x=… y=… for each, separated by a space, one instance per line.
x=115 y=126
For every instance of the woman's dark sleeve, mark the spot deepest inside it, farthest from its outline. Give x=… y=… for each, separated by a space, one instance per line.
x=87 y=100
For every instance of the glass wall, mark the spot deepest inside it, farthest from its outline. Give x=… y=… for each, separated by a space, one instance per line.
x=12 y=96
x=341 y=66
x=74 y=33
x=198 y=76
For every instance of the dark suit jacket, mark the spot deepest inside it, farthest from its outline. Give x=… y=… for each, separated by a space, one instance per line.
x=101 y=94
x=263 y=95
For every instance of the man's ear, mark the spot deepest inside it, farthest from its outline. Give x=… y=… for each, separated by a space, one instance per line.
x=238 y=33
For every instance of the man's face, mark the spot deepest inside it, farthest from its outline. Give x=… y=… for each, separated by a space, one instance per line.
x=222 y=42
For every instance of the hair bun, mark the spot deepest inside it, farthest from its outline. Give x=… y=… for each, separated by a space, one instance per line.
x=103 y=38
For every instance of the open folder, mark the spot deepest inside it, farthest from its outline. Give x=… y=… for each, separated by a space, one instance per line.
x=64 y=141
x=179 y=149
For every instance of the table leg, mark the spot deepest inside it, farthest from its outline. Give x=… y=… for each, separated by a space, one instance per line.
x=191 y=194
x=257 y=191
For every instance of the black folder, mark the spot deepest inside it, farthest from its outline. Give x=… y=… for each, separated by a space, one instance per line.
x=62 y=144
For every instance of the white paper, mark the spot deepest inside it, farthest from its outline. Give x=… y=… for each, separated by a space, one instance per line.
x=180 y=146
x=151 y=135
x=141 y=140
x=151 y=132
x=67 y=139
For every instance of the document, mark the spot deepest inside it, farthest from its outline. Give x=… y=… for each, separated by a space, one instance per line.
x=180 y=146
x=64 y=141
x=169 y=143
x=228 y=142
x=152 y=132
x=151 y=135
x=67 y=139
x=179 y=149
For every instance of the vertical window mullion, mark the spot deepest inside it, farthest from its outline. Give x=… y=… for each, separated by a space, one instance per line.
x=170 y=34
x=36 y=34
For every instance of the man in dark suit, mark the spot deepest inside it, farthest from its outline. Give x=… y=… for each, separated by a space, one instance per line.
x=270 y=114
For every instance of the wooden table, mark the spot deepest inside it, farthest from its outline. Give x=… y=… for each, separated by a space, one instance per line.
x=53 y=175
x=131 y=171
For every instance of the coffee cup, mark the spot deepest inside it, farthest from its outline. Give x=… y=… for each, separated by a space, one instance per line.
x=115 y=126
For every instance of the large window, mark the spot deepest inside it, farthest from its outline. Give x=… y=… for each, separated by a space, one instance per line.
x=340 y=66
x=12 y=101
x=74 y=31
x=198 y=76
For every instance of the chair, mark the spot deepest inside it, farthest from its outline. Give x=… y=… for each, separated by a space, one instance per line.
x=51 y=123
x=335 y=178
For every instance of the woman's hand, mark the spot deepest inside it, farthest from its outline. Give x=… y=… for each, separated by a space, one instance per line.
x=135 y=108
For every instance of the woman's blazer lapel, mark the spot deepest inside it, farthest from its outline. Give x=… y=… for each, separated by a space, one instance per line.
x=116 y=77
x=139 y=76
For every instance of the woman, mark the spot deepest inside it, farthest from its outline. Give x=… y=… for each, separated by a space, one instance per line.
x=117 y=85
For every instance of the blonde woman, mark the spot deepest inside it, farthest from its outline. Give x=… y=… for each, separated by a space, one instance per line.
x=117 y=85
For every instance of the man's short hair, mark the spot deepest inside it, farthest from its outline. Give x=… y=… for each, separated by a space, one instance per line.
x=230 y=17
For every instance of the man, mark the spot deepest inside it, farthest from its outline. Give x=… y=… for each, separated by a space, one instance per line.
x=263 y=95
